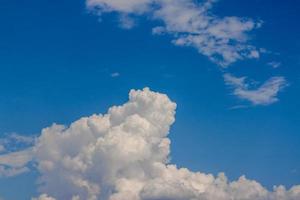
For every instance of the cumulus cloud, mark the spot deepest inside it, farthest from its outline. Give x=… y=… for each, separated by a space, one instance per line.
x=222 y=40
x=263 y=95
x=124 y=155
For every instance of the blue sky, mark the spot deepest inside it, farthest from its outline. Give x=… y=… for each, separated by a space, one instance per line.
x=60 y=62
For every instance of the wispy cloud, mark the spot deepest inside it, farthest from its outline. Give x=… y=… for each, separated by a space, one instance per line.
x=14 y=141
x=46 y=197
x=13 y=164
x=274 y=64
x=223 y=40
x=265 y=94
x=12 y=171
x=2 y=148
x=15 y=154
x=238 y=107
x=115 y=74
x=126 y=22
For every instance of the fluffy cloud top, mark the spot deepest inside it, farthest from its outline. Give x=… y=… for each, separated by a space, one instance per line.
x=124 y=155
x=264 y=95
x=222 y=40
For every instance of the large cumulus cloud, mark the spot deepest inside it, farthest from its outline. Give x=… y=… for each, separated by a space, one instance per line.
x=124 y=155
x=107 y=156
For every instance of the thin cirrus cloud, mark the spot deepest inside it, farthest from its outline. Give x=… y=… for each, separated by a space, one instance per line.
x=222 y=40
x=265 y=94
x=123 y=155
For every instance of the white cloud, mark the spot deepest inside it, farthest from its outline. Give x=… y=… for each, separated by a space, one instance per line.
x=16 y=159
x=127 y=22
x=21 y=138
x=13 y=164
x=129 y=6
x=263 y=95
x=2 y=148
x=124 y=155
x=115 y=74
x=11 y=171
x=43 y=197
x=14 y=141
x=222 y=40
x=274 y=64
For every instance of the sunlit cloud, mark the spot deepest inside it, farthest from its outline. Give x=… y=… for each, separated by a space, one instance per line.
x=125 y=154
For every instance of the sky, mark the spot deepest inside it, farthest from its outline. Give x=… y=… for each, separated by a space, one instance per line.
x=232 y=68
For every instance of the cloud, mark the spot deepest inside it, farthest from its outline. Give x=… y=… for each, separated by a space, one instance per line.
x=126 y=22
x=12 y=171
x=274 y=64
x=124 y=154
x=43 y=197
x=14 y=141
x=16 y=159
x=222 y=40
x=263 y=95
x=115 y=74
x=2 y=148
x=13 y=164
